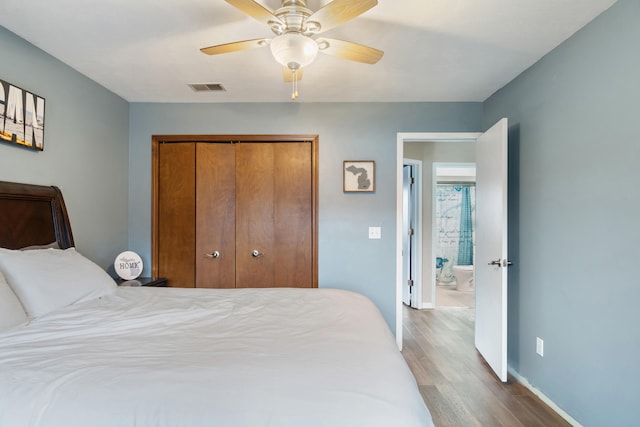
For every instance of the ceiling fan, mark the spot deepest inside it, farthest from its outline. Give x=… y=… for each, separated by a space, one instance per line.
x=295 y=27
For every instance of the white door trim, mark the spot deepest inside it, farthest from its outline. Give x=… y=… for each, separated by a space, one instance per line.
x=401 y=138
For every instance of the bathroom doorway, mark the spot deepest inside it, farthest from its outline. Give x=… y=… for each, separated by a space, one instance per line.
x=453 y=242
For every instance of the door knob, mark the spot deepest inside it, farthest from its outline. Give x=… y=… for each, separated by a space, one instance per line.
x=501 y=263
x=255 y=253
x=214 y=255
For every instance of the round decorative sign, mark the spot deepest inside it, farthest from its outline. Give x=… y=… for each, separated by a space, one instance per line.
x=128 y=265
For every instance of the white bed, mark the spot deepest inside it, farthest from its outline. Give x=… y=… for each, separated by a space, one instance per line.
x=87 y=353
x=176 y=357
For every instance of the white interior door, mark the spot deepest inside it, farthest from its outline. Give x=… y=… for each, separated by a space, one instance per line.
x=491 y=247
x=407 y=243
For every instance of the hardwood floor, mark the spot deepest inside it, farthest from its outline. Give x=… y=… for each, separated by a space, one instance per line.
x=457 y=385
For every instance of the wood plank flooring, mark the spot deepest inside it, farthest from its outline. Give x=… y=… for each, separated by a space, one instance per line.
x=457 y=385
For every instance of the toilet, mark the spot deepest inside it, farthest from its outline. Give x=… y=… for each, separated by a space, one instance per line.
x=464 y=277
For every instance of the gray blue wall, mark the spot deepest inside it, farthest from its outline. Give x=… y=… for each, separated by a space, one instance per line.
x=347 y=258
x=86 y=144
x=575 y=193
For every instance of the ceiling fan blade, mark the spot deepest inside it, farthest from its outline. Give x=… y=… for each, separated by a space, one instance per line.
x=287 y=74
x=255 y=10
x=234 y=47
x=340 y=11
x=349 y=50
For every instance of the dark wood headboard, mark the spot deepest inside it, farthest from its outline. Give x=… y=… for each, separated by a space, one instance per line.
x=33 y=215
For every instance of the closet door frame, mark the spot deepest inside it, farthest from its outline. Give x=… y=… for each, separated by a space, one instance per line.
x=156 y=140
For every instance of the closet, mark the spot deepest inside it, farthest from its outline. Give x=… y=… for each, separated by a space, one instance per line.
x=235 y=211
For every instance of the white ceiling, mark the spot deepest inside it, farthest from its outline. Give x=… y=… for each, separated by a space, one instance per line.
x=435 y=50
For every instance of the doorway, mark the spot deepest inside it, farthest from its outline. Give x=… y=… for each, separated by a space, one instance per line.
x=419 y=143
x=453 y=242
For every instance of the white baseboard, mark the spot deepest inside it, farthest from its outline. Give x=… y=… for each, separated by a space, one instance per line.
x=522 y=380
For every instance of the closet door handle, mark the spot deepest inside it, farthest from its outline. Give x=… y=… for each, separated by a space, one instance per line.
x=255 y=253
x=214 y=255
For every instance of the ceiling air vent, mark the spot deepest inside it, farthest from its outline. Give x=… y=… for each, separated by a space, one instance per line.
x=207 y=87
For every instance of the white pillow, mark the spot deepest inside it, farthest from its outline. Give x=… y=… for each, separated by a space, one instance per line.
x=48 y=279
x=52 y=245
x=11 y=311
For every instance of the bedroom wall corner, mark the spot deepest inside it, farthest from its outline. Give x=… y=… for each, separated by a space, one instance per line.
x=85 y=146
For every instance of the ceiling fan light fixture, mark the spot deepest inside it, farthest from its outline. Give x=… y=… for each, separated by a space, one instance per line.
x=294 y=25
x=293 y=50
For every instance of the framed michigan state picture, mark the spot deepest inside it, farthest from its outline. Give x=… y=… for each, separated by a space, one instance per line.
x=358 y=176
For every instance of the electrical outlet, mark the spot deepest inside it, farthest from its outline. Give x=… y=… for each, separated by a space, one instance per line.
x=540 y=346
x=375 y=233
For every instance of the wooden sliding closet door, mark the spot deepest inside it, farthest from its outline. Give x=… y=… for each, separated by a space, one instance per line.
x=273 y=215
x=176 y=213
x=235 y=214
x=215 y=215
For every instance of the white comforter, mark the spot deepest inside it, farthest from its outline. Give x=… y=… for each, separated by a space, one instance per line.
x=196 y=357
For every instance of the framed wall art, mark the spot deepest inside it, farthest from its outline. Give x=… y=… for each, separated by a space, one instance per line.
x=21 y=117
x=358 y=176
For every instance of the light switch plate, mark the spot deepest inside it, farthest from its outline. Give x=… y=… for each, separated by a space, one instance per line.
x=540 y=346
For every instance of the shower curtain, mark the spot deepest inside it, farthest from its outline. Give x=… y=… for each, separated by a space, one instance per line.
x=465 y=244
x=455 y=207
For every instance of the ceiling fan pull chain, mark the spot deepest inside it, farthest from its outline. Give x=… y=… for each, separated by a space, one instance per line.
x=294 y=83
